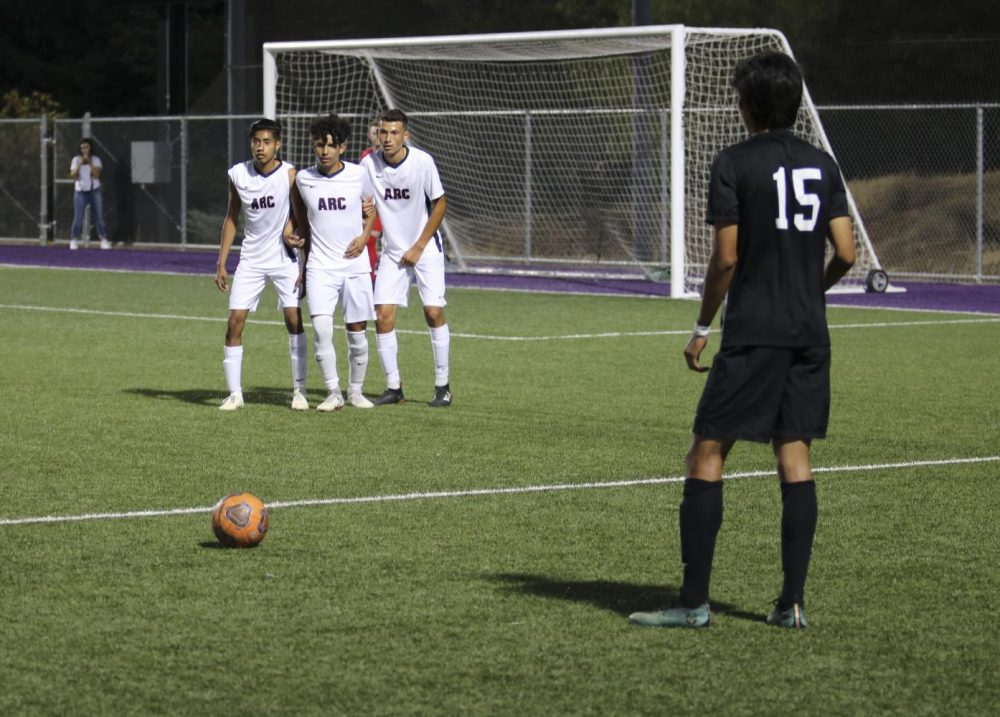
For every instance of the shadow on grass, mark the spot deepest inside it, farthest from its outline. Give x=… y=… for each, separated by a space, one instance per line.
x=261 y=395
x=621 y=598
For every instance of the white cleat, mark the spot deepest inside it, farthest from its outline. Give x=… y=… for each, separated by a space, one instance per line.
x=334 y=402
x=358 y=400
x=232 y=402
x=299 y=402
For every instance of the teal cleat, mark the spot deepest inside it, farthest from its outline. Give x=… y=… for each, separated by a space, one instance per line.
x=674 y=616
x=793 y=617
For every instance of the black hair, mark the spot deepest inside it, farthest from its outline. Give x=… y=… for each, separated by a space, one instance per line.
x=395 y=116
x=332 y=125
x=89 y=142
x=769 y=85
x=270 y=125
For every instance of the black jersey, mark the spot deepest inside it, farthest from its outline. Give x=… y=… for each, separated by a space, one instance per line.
x=782 y=193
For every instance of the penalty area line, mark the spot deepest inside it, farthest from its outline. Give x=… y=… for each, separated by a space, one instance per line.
x=480 y=492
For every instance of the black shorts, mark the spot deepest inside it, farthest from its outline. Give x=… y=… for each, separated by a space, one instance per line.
x=758 y=393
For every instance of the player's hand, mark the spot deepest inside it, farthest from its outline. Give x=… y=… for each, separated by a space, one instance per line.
x=222 y=279
x=368 y=207
x=293 y=240
x=412 y=256
x=692 y=353
x=300 y=286
x=356 y=246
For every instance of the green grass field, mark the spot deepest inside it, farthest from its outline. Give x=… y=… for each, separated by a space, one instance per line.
x=481 y=559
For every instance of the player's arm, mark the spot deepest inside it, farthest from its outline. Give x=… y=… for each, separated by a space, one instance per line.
x=359 y=243
x=228 y=237
x=297 y=226
x=438 y=209
x=95 y=168
x=74 y=167
x=717 y=279
x=842 y=238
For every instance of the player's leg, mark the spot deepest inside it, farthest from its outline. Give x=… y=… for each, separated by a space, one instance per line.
x=799 y=513
x=244 y=295
x=359 y=309
x=298 y=344
x=324 y=293
x=430 y=283
x=392 y=285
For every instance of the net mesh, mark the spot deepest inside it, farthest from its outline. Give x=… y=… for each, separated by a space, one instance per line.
x=554 y=153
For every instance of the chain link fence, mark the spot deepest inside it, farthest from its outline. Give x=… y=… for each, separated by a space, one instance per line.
x=926 y=179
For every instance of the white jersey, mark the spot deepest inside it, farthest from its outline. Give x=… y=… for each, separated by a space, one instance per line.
x=333 y=203
x=266 y=206
x=85 y=181
x=403 y=193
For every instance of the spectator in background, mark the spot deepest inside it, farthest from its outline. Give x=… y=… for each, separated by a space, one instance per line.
x=85 y=170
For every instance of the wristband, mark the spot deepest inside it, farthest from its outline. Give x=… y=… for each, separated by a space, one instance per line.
x=701 y=331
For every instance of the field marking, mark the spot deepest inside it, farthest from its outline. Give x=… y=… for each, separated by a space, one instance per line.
x=479 y=492
x=983 y=319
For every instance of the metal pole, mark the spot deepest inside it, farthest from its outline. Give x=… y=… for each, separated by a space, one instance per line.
x=664 y=186
x=43 y=182
x=677 y=218
x=979 y=194
x=184 y=171
x=527 y=184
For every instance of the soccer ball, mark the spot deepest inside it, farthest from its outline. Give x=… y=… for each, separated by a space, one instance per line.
x=240 y=520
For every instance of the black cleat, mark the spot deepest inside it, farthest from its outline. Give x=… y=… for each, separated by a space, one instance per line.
x=391 y=395
x=442 y=397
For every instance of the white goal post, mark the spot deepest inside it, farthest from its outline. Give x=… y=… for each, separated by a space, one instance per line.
x=580 y=152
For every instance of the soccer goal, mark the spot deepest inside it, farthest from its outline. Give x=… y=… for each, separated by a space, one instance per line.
x=583 y=152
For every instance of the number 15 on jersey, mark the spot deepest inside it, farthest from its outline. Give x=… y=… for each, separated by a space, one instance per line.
x=805 y=199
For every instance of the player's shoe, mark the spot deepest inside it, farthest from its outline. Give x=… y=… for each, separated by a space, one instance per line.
x=442 y=397
x=105 y=244
x=674 y=616
x=299 y=402
x=333 y=402
x=358 y=400
x=390 y=396
x=232 y=402
x=74 y=244
x=793 y=617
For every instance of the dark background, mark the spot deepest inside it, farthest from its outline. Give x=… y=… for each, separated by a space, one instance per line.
x=116 y=58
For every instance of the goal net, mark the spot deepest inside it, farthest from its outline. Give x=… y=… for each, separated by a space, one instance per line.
x=561 y=152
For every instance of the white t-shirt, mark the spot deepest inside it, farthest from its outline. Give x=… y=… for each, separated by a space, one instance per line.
x=84 y=181
x=333 y=203
x=403 y=193
x=266 y=206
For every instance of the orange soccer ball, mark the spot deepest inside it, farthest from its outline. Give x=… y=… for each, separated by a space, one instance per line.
x=240 y=520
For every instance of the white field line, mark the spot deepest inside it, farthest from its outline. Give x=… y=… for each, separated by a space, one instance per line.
x=479 y=492
x=491 y=337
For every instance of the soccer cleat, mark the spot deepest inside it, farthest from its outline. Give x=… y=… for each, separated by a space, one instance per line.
x=333 y=402
x=358 y=400
x=299 y=402
x=232 y=402
x=793 y=617
x=391 y=395
x=105 y=244
x=442 y=397
x=74 y=244
x=674 y=616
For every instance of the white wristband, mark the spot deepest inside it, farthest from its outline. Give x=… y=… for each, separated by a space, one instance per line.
x=701 y=331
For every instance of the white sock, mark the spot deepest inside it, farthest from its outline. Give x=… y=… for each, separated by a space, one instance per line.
x=387 y=351
x=326 y=354
x=298 y=348
x=440 y=344
x=357 y=352
x=232 y=364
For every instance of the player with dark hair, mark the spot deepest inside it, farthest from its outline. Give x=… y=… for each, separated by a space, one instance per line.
x=330 y=228
x=774 y=202
x=411 y=204
x=373 y=239
x=260 y=188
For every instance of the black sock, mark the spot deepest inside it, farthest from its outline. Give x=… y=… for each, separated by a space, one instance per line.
x=798 y=526
x=700 y=519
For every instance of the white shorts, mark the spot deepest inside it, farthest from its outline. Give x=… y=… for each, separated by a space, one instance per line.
x=325 y=289
x=392 y=282
x=249 y=282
